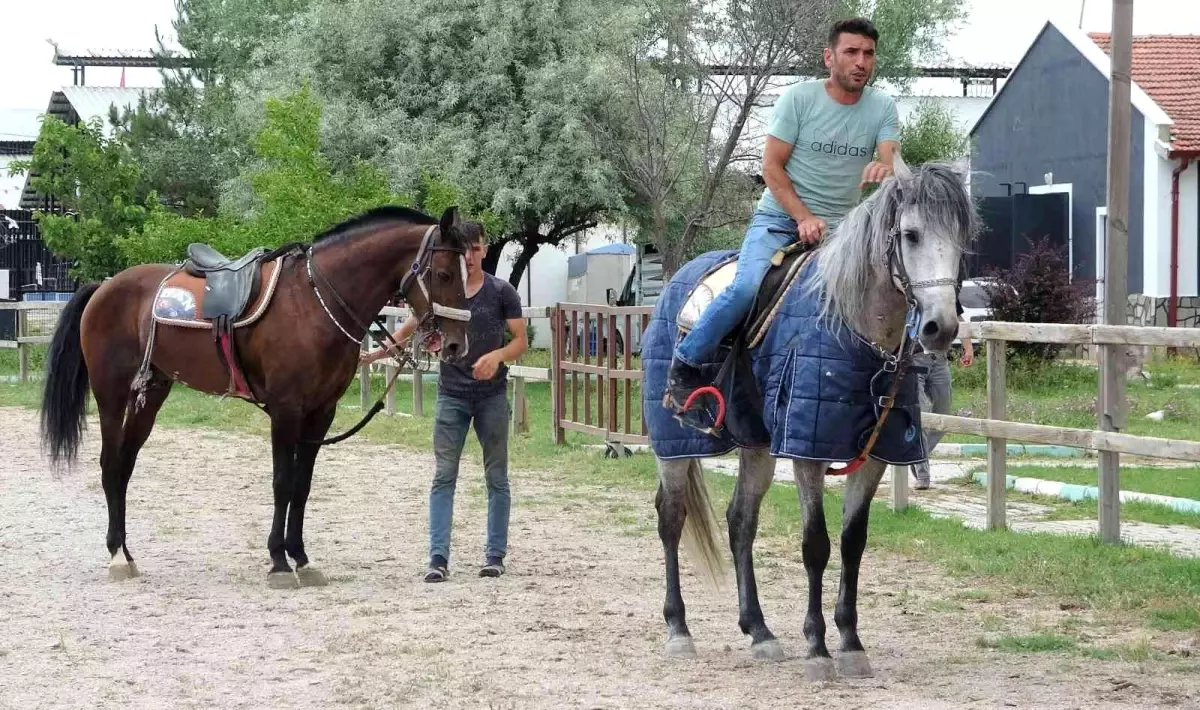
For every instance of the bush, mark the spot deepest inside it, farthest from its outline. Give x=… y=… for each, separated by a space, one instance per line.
x=1037 y=290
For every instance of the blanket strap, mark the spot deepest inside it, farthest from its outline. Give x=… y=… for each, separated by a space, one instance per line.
x=886 y=402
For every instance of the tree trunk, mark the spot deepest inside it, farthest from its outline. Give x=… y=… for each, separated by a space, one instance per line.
x=492 y=259
x=530 y=244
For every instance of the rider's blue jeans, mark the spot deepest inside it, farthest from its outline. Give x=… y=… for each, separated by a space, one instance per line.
x=768 y=232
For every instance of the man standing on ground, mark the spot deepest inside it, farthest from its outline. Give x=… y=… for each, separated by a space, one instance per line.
x=474 y=389
x=820 y=150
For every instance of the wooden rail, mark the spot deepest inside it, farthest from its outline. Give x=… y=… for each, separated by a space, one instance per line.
x=999 y=431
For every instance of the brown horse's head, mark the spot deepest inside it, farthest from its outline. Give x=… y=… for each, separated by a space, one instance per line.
x=441 y=305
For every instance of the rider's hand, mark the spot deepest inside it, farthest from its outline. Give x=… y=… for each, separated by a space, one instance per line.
x=368 y=357
x=811 y=229
x=875 y=172
x=968 y=356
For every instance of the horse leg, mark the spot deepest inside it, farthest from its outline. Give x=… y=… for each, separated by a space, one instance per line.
x=756 y=470
x=669 y=502
x=315 y=428
x=285 y=431
x=139 y=421
x=860 y=489
x=814 y=547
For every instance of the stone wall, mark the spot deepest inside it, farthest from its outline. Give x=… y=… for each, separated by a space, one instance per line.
x=1146 y=310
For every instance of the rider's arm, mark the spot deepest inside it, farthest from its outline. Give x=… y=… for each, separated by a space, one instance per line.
x=775 y=157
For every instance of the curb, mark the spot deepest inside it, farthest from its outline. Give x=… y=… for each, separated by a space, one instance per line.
x=965 y=450
x=1076 y=492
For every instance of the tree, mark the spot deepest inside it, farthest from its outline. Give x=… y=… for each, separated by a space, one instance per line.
x=294 y=193
x=490 y=95
x=931 y=134
x=99 y=187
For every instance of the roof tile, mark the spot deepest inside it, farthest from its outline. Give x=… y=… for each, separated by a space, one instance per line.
x=1167 y=67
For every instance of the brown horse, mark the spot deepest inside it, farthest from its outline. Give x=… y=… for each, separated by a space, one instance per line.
x=297 y=346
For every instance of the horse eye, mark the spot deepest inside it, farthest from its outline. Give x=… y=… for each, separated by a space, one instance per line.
x=911 y=236
x=444 y=276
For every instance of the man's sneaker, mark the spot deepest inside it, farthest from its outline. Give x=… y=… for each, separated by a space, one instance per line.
x=682 y=381
x=493 y=568
x=922 y=477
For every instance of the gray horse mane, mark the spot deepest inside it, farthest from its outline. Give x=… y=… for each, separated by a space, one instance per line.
x=848 y=259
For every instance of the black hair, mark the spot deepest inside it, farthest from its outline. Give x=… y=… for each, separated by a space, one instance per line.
x=854 y=26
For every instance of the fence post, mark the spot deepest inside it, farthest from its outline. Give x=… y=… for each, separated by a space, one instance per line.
x=391 y=371
x=22 y=348
x=557 y=379
x=418 y=386
x=520 y=423
x=900 y=487
x=997 y=468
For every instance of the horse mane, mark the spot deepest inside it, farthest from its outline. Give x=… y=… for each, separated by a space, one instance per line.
x=375 y=214
x=847 y=260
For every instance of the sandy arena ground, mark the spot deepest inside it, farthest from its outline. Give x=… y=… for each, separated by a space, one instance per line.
x=575 y=623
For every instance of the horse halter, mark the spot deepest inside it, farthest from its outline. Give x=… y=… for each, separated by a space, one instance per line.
x=418 y=272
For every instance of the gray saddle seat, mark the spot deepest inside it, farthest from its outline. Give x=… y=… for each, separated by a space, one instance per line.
x=230 y=284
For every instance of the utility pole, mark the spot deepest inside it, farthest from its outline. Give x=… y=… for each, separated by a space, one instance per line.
x=1116 y=260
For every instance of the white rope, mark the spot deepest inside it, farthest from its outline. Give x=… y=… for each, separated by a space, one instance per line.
x=317 y=291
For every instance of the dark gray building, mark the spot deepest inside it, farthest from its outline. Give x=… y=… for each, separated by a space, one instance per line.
x=1039 y=163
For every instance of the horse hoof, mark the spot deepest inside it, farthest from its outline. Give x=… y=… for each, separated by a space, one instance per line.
x=854 y=664
x=120 y=569
x=681 y=647
x=819 y=670
x=282 y=580
x=309 y=576
x=769 y=650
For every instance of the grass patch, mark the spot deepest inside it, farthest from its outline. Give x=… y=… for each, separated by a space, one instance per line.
x=1034 y=643
x=1064 y=394
x=1136 y=510
x=1178 y=618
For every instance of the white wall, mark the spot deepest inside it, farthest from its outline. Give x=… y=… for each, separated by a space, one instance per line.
x=545 y=280
x=1156 y=219
x=1189 y=230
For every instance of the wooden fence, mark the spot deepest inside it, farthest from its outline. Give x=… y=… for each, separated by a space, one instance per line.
x=24 y=335
x=999 y=430
x=596 y=333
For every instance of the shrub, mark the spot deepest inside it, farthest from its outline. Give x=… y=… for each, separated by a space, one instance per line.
x=1037 y=290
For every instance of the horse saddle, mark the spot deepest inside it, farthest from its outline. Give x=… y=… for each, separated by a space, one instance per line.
x=786 y=264
x=229 y=283
x=213 y=292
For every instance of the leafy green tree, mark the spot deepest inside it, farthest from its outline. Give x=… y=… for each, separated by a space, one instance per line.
x=99 y=187
x=930 y=133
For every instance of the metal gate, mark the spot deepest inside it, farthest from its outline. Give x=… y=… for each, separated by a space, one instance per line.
x=1012 y=222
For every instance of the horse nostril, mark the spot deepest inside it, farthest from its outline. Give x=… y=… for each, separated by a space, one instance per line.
x=931 y=329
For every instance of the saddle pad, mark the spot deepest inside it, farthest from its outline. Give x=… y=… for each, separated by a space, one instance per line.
x=820 y=387
x=180 y=298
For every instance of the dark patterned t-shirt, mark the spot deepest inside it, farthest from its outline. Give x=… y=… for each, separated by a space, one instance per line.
x=491 y=307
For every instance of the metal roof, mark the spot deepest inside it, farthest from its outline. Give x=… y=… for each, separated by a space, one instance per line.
x=83 y=103
x=144 y=58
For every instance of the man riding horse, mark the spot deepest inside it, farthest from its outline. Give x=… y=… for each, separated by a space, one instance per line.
x=818 y=156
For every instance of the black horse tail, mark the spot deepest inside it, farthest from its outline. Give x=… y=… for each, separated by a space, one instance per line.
x=64 y=395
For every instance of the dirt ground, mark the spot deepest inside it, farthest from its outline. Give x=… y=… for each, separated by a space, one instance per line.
x=575 y=623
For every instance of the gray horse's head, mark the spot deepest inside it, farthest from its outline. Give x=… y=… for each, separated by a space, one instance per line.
x=915 y=229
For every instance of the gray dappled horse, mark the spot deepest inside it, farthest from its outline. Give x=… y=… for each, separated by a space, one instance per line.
x=888 y=274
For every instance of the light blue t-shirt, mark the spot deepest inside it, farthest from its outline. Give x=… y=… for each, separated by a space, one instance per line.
x=832 y=144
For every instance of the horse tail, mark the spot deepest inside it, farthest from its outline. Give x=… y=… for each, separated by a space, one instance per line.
x=64 y=394
x=700 y=531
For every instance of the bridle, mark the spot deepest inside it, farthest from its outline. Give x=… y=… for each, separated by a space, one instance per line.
x=418 y=273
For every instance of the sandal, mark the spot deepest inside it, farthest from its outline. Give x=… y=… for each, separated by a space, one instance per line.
x=493 y=568
x=437 y=573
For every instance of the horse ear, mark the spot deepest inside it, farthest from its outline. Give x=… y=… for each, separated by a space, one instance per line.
x=450 y=220
x=903 y=172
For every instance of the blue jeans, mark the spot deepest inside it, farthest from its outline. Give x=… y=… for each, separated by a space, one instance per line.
x=768 y=233
x=453 y=419
x=933 y=388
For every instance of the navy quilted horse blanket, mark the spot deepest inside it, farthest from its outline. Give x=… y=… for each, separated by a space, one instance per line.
x=816 y=391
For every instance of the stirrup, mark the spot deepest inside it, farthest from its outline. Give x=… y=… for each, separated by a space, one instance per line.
x=689 y=413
